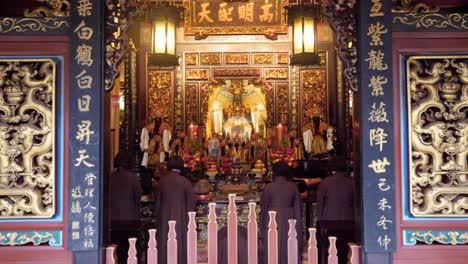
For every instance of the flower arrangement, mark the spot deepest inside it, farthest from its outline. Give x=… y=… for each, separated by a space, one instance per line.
x=193 y=162
x=287 y=155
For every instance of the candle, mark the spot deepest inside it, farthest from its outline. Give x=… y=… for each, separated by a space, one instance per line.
x=280 y=134
x=193 y=131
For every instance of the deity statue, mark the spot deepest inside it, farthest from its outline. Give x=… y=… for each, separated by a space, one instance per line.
x=314 y=143
x=214 y=148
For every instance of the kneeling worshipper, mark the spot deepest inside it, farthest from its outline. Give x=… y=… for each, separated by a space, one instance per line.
x=283 y=197
x=174 y=199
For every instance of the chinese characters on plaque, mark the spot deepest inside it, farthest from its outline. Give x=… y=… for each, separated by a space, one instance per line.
x=377 y=117
x=83 y=190
x=235 y=17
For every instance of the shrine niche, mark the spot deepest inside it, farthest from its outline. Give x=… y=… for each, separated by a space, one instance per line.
x=437 y=91
x=236 y=108
x=27 y=133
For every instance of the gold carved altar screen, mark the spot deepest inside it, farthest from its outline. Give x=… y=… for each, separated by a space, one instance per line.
x=437 y=91
x=210 y=79
x=27 y=134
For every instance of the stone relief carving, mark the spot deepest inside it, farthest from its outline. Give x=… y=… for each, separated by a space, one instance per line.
x=438 y=135
x=27 y=171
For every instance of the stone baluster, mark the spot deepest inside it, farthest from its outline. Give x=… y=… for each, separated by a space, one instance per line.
x=232 y=230
x=172 y=244
x=212 y=235
x=252 y=240
x=332 y=251
x=292 y=242
x=272 y=239
x=132 y=252
x=192 y=239
x=152 y=254
x=312 y=253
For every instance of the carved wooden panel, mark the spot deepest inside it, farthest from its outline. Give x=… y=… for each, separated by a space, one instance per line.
x=437 y=89
x=191 y=103
x=160 y=86
x=236 y=58
x=276 y=73
x=191 y=59
x=269 y=91
x=262 y=58
x=27 y=135
x=282 y=102
x=198 y=74
x=205 y=91
x=282 y=58
x=313 y=83
x=237 y=72
x=211 y=58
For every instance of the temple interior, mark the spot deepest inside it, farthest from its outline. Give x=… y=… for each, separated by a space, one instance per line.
x=321 y=131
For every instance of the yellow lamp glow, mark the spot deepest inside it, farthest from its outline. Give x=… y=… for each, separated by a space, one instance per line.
x=163 y=21
x=303 y=18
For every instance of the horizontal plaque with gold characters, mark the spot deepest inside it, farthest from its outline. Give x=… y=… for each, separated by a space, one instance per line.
x=220 y=17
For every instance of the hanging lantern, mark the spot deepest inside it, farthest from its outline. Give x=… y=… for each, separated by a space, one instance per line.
x=304 y=19
x=164 y=19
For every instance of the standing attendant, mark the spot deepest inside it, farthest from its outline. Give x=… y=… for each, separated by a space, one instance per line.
x=283 y=197
x=174 y=199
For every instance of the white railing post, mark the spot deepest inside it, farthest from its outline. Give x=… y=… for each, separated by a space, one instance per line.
x=292 y=242
x=272 y=239
x=232 y=230
x=332 y=251
x=312 y=253
x=110 y=254
x=192 y=239
x=252 y=240
x=354 y=255
x=212 y=235
x=132 y=259
x=172 y=244
x=152 y=254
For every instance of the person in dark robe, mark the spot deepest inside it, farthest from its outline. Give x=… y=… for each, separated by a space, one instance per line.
x=174 y=199
x=335 y=210
x=335 y=194
x=283 y=197
x=125 y=198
